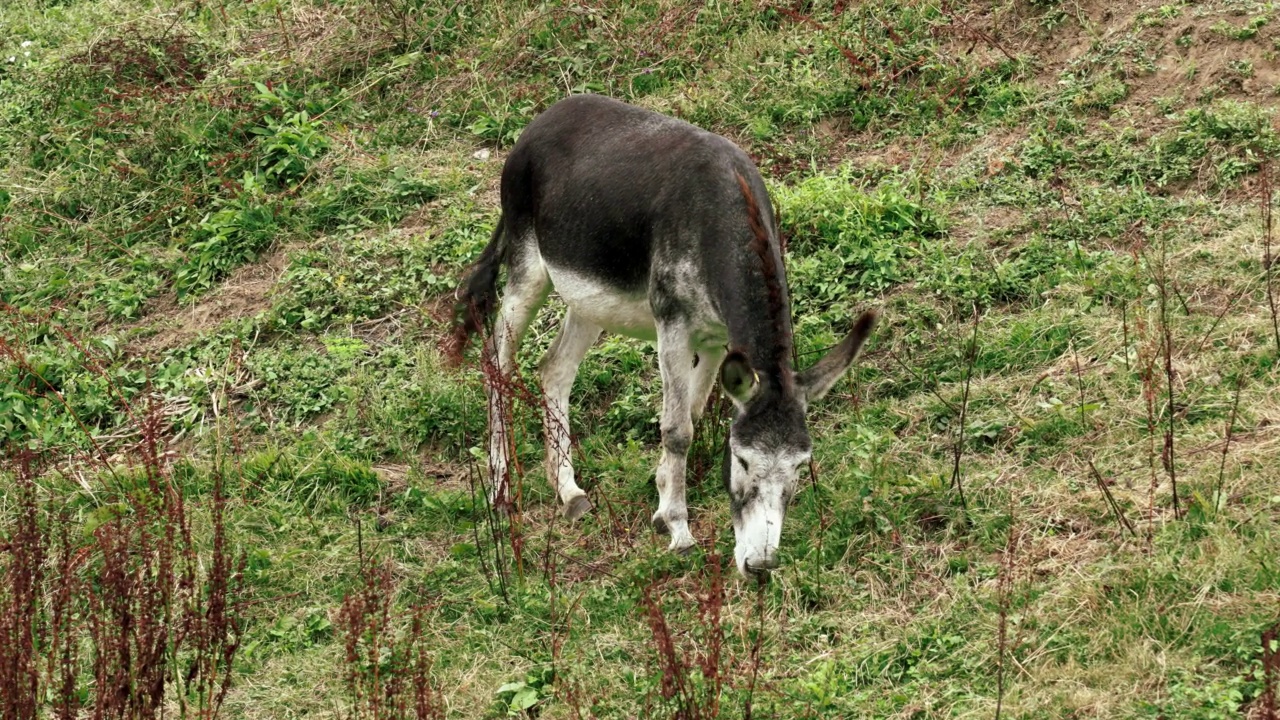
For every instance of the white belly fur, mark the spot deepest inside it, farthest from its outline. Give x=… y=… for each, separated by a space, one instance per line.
x=621 y=314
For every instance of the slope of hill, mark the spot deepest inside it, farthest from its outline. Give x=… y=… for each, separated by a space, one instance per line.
x=229 y=234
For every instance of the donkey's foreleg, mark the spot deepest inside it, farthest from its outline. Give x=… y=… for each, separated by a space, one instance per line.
x=559 y=368
x=675 y=360
x=525 y=292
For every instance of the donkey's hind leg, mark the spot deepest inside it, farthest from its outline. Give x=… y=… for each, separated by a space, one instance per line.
x=559 y=368
x=526 y=290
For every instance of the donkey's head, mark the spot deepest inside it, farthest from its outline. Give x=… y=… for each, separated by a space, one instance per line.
x=769 y=443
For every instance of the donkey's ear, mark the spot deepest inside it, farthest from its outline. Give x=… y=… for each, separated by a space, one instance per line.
x=818 y=379
x=738 y=377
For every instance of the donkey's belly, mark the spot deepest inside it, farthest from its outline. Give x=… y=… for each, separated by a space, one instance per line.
x=614 y=310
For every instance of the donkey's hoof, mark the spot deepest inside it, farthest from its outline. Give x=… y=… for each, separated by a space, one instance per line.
x=660 y=524
x=682 y=546
x=578 y=506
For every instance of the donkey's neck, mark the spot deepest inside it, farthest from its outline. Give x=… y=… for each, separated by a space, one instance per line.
x=758 y=315
x=757 y=323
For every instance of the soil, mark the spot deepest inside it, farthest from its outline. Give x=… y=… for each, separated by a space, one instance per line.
x=1195 y=58
x=167 y=324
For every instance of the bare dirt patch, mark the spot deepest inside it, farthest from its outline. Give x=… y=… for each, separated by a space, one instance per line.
x=246 y=293
x=1196 y=53
x=1207 y=61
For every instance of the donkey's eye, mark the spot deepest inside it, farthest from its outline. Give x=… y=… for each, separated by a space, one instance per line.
x=741 y=462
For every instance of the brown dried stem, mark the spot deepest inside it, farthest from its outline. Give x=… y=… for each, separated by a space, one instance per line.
x=1226 y=444
x=1111 y=500
x=971 y=357
x=1268 y=262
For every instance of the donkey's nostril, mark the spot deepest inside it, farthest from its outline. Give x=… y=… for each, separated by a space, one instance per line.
x=763 y=564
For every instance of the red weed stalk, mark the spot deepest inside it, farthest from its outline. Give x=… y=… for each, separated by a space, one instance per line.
x=1124 y=324
x=1004 y=591
x=1270 y=672
x=63 y=657
x=496 y=573
x=755 y=654
x=1226 y=308
x=502 y=516
x=214 y=624
x=1111 y=500
x=1168 y=456
x=971 y=33
x=364 y=619
x=690 y=697
x=1268 y=261
x=1075 y=356
x=388 y=677
x=20 y=599
x=105 y=624
x=1147 y=372
x=1146 y=375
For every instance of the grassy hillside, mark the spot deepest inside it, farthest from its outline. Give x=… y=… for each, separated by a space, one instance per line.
x=229 y=234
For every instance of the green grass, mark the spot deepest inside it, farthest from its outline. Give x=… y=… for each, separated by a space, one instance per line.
x=254 y=215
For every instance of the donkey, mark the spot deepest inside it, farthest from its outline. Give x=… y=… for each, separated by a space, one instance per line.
x=653 y=228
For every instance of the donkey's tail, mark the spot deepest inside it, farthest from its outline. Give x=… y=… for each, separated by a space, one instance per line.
x=477 y=295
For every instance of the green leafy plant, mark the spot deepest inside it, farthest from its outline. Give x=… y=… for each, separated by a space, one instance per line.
x=227 y=237
x=521 y=698
x=844 y=243
x=287 y=144
x=503 y=127
x=1244 y=32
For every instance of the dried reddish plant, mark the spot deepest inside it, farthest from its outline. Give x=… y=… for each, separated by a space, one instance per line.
x=1268 y=261
x=20 y=597
x=1146 y=364
x=882 y=65
x=960 y=27
x=1112 y=504
x=120 y=616
x=502 y=545
x=63 y=656
x=139 y=63
x=214 y=626
x=112 y=623
x=1270 y=672
x=1168 y=456
x=1004 y=593
x=690 y=697
x=755 y=655
x=387 y=674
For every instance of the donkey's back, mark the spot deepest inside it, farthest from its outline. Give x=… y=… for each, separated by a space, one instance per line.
x=605 y=187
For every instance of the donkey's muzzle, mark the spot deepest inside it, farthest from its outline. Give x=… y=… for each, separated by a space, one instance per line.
x=760 y=568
